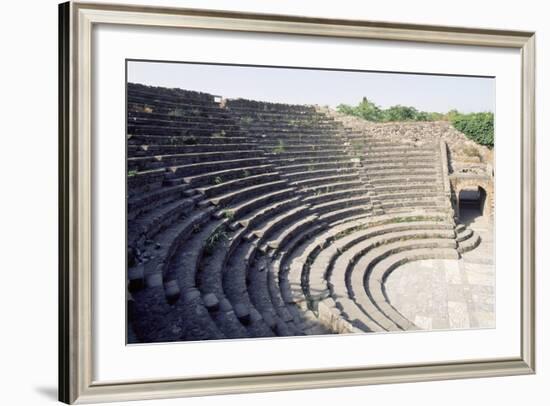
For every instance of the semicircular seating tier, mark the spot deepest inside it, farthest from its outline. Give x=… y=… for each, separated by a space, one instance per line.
x=255 y=219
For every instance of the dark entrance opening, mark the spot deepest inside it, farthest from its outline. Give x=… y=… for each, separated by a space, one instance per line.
x=471 y=204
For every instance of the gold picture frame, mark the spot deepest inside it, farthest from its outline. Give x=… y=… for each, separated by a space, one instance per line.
x=76 y=384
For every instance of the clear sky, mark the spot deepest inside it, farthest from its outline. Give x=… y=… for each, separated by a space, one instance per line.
x=306 y=86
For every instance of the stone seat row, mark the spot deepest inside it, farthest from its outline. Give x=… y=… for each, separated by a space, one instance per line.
x=324 y=265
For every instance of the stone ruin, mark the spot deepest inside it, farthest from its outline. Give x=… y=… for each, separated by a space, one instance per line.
x=255 y=219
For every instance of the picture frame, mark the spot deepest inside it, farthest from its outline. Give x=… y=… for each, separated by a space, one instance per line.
x=76 y=215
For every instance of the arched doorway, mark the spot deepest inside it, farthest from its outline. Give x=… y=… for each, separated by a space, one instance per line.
x=471 y=203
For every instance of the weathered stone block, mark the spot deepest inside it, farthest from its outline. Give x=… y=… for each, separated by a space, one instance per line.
x=211 y=302
x=172 y=291
x=243 y=313
x=225 y=305
x=136 y=278
x=255 y=316
x=269 y=319
x=192 y=294
x=153 y=280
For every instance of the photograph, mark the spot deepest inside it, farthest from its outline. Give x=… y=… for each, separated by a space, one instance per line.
x=276 y=201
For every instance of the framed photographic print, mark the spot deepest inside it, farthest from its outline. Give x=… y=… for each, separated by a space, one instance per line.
x=256 y=202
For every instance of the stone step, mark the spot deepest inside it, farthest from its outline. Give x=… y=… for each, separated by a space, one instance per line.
x=459 y=228
x=237 y=211
x=184 y=131
x=290 y=154
x=167 y=244
x=209 y=280
x=354 y=213
x=379 y=262
x=411 y=205
x=464 y=235
x=278 y=115
x=315 y=166
x=403 y=172
x=242 y=107
x=183 y=118
x=421 y=179
x=399 y=156
x=212 y=178
x=300 y=144
x=306 y=176
x=156 y=149
x=345 y=237
x=313 y=183
x=145 y=227
x=322 y=198
x=209 y=111
x=235 y=286
x=356 y=317
x=341 y=279
x=289 y=125
x=260 y=296
x=150 y=179
x=411 y=196
x=275 y=223
x=469 y=244
x=395 y=149
x=148 y=200
x=246 y=193
x=404 y=186
x=158 y=161
x=300 y=260
x=340 y=204
x=333 y=185
x=256 y=217
x=183 y=265
x=301 y=148
x=281 y=237
x=346 y=214
x=216 y=166
x=224 y=186
x=155 y=105
x=176 y=95
x=401 y=165
x=282 y=162
x=294 y=136
x=183 y=140
x=382 y=269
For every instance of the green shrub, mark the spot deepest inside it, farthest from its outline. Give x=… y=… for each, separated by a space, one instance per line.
x=479 y=127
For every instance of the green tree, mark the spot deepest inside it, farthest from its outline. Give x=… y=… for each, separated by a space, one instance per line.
x=476 y=126
x=402 y=113
x=365 y=109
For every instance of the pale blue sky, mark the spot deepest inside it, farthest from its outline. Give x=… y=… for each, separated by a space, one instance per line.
x=306 y=86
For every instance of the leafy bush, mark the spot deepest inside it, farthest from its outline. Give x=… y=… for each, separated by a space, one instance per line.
x=477 y=126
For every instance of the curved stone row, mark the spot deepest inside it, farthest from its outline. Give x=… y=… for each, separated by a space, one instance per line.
x=328 y=275
x=248 y=219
